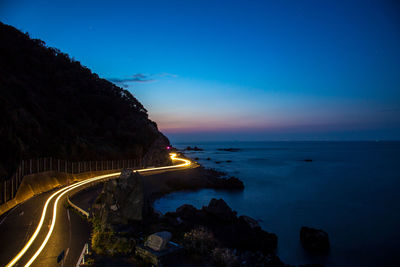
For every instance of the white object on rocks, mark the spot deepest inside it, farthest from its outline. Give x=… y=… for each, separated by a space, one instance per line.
x=158 y=241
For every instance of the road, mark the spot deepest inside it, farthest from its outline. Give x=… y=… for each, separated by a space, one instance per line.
x=38 y=230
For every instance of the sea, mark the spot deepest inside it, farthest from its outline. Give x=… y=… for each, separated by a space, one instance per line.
x=351 y=190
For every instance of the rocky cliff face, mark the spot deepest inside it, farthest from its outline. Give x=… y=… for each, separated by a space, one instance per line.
x=121 y=201
x=157 y=154
x=52 y=106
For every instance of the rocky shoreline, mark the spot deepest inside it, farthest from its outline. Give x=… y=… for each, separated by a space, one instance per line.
x=158 y=185
x=214 y=235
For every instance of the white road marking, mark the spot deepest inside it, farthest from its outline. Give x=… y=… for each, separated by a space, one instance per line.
x=21 y=213
x=69 y=219
x=65 y=190
x=27 y=232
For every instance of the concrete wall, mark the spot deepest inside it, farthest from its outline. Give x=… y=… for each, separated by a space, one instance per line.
x=35 y=184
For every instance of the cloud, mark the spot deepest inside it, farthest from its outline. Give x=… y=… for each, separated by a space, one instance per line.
x=137 y=78
x=169 y=75
x=141 y=78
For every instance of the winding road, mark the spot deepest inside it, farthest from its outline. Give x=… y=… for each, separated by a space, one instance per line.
x=35 y=232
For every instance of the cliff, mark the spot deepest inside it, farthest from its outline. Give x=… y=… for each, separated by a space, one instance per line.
x=52 y=106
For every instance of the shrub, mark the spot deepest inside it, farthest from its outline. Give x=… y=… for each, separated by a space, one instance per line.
x=224 y=257
x=105 y=241
x=101 y=241
x=199 y=240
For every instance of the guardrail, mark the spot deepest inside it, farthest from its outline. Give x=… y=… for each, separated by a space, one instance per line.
x=77 y=208
x=9 y=187
x=84 y=252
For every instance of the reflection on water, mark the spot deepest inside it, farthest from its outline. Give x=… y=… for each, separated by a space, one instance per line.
x=350 y=189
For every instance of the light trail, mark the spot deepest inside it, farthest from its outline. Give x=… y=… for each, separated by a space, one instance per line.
x=33 y=237
x=66 y=189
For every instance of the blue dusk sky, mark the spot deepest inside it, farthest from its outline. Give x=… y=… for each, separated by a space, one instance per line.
x=238 y=70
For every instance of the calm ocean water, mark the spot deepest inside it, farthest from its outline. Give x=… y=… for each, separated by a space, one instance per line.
x=351 y=190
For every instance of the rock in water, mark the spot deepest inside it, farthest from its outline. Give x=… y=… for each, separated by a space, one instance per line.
x=186 y=211
x=220 y=210
x=314 y=240
x=250 y=221
x=122 y=199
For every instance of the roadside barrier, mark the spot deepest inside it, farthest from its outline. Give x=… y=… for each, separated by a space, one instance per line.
x=9 y=187
x=77 y=208
x=84 y=252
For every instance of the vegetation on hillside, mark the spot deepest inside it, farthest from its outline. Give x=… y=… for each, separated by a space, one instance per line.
x=51 y=105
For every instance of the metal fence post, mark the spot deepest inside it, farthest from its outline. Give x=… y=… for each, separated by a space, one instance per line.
x=5 y=191
x=16 y=180
x=17 y=177
x=11 y=187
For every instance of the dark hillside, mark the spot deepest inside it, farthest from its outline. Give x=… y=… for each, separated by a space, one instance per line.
x=51 y=105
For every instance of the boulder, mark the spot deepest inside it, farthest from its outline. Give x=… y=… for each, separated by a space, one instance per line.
x=241 y=233
x=249 y=258
x=219 y=209
x=121 y=200
x=229 y=149
x=158 y=155
x=249 y=221
x=189 y=148
x=233 y=183
x=186 y=211
x=314 y=240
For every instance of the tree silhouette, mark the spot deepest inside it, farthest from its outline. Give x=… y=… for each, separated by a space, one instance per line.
x=51 y=105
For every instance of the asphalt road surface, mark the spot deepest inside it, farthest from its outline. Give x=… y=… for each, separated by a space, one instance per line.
x=69 y=232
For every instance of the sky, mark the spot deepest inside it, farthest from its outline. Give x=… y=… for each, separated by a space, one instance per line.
x=237 y=70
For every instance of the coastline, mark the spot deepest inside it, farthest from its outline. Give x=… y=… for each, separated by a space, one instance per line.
x=133 y=196
x=158 y=185
x=123 y=217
